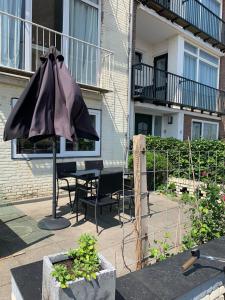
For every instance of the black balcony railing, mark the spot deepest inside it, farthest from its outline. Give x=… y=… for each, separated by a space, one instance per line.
x=193 y=16
x=161 y=87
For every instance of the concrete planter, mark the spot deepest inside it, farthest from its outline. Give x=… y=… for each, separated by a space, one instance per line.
x=102 y=288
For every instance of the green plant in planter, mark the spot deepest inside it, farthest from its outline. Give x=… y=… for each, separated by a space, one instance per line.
x=86 y=262
x=161 y=251
x=62 y=275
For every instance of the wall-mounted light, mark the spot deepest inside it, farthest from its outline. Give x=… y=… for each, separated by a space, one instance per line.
x=170 y=119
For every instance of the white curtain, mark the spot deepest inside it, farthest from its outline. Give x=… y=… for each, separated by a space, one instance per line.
x=210 y=23
x=196 y=130
x=213 y=5
x=189 y=88
x=83 y=25
x=208 y=76
x=11 y=37
x=210 y=131
x=191 y=11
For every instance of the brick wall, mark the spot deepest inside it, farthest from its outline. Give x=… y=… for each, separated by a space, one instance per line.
x=20 y=179
x=187 y=125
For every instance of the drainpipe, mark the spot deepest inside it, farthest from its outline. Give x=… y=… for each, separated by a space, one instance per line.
x=129 y=94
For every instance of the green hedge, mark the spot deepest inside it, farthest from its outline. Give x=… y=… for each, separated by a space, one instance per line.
x=208 y=157
x=154 y=161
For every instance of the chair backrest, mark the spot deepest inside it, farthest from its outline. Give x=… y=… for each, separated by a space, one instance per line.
x=94 y=164
x=110 y=183
x=66 y=167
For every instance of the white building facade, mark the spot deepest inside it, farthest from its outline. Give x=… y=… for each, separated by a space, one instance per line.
x=176 y=69
x=92 y=35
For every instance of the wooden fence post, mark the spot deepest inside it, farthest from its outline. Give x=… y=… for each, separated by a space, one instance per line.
x=141 y=199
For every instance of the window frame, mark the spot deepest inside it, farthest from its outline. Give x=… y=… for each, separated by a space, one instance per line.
x=63 y=153
x=199 y=58
x=153 y=122
x=65 y=27
x=202 y=127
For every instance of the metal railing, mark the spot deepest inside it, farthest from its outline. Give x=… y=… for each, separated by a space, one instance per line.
x=165 y=87
x=23 y=42
x=197 y=14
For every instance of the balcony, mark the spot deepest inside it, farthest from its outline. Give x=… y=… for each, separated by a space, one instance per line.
x=23 y=42
x=193 y=16
x=164 y=88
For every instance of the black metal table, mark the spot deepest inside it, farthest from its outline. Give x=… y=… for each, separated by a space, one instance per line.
x=94 y=173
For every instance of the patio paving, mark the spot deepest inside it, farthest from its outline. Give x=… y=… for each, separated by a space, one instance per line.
x=22 y=242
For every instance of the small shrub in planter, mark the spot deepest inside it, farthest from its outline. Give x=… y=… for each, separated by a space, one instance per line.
x=81 y=273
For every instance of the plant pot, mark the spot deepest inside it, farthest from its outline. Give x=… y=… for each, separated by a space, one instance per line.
x=103 y=287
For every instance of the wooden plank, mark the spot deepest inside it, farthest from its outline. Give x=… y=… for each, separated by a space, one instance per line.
x=141 y=200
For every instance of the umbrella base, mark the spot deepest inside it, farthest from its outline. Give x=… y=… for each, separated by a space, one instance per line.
x=49 y=223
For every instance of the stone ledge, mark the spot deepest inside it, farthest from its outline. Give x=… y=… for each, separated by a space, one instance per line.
x=162 y=281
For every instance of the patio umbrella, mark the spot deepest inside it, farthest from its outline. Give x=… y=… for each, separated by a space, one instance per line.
x=51 y=106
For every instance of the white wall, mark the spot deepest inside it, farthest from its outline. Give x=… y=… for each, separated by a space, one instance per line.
x=173 y=46
x=33 y=178
x=176 y=128
x=175 y=55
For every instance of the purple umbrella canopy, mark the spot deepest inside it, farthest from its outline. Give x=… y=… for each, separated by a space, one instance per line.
x=51 y=105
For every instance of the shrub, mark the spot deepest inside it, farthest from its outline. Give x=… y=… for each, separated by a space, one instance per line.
x=154 y=162
x=208 y=157
x=207 y=219
x=187 y=198
x=161 y=251
x=169 y=189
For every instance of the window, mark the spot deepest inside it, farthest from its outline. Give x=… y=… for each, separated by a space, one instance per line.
x=12 y=36
x=204 y=129
x=202 y=67
x=82 y=21
x=22 y=148
x=148 y=124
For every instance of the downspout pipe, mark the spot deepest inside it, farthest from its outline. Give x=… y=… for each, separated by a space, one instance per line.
x=129 y=94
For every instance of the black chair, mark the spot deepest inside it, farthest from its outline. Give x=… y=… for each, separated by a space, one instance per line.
x=127 y=193
x=108 y=185
x=62 y=169
x=94 y=164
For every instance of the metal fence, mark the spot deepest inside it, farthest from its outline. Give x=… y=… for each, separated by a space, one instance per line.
x=165 y=87
x=170 y=175
x=23 y=42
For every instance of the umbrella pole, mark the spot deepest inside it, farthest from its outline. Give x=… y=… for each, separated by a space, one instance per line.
x=54 y=178
x=52 y=222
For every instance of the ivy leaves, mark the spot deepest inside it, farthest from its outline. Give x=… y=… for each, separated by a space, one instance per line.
x=162 y=249
x=208 y=219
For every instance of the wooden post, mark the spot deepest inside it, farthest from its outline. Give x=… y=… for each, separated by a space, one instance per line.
x=141 y=199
